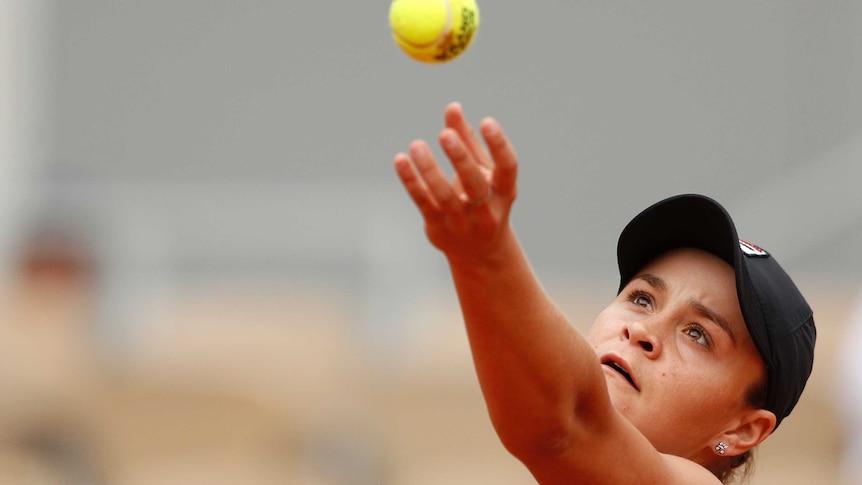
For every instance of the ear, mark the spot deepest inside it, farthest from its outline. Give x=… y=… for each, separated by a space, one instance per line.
x=754 y=426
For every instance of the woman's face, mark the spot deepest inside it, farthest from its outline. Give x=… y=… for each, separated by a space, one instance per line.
x=677 y=355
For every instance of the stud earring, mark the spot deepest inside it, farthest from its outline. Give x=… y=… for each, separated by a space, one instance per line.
x=721 y=447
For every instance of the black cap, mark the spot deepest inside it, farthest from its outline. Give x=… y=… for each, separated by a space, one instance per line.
x=777 y=316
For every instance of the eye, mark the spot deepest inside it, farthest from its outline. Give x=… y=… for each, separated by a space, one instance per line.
x=698 y=335
x=642 y=300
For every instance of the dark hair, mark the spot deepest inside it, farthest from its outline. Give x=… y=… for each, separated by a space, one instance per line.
x=740 y=467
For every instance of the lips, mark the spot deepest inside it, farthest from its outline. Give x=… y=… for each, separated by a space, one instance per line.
x=620 y=366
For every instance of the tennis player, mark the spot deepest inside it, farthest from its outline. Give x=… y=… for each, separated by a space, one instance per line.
x=703 y=352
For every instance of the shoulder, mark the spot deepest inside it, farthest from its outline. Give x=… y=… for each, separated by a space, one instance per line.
x=686 y=471
x=669 y=470
x=616 y=456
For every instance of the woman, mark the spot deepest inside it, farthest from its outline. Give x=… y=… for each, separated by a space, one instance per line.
x=704 y=351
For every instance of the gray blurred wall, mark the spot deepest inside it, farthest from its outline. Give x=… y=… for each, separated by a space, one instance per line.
x=208 y=140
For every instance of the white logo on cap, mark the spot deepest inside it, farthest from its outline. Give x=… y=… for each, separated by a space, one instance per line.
x=751 y=250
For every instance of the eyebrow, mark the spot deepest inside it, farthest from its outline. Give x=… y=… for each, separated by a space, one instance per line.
x=699 y=307
x=710 y=314
x=652 y=280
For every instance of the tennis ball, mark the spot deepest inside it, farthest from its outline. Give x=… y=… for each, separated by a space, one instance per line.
x=433 y=30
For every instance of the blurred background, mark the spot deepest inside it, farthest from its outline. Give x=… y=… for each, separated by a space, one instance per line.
x=210 y=273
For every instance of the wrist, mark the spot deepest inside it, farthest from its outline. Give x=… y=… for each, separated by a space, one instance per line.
x=503 y=253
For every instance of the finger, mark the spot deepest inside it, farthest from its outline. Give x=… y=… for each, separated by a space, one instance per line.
x=505 y=160
x=439 y=187
x=455 y=119
x=417 y=189
x=473 y=181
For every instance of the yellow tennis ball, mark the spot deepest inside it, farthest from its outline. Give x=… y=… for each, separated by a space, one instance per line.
x=433 y=30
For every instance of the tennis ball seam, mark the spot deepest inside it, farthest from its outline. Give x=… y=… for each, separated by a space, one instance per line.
x=440 y=38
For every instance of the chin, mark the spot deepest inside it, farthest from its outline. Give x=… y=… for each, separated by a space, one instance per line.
x=621 y=400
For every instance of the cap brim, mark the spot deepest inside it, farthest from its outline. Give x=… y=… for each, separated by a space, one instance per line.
x=688 y=220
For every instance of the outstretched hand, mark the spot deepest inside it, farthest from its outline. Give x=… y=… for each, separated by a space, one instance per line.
x=468 y=216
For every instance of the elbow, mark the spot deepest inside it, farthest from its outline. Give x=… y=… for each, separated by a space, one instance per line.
x=546 y=439
x=557 y=432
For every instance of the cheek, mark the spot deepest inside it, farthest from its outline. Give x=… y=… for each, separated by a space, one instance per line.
x=685 y=398
x=710 y=391
x=604 y=328
x=725 y=374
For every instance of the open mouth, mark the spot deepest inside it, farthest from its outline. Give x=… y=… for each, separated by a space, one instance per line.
x=617 y=367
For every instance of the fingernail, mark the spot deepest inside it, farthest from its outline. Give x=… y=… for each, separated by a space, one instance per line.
x=448 y=142
x=490 y=126
x=417 y=149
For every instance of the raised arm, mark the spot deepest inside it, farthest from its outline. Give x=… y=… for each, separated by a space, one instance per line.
x=542 y=382
x=524 y=350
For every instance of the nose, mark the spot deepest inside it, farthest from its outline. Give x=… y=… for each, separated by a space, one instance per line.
x=639 y=334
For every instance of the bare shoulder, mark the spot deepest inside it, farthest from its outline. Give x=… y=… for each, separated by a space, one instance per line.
x=618 y=455
x=688 y=472
x=669 y=470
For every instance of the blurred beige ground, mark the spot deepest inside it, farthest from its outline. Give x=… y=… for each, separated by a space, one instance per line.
x=270 y=386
